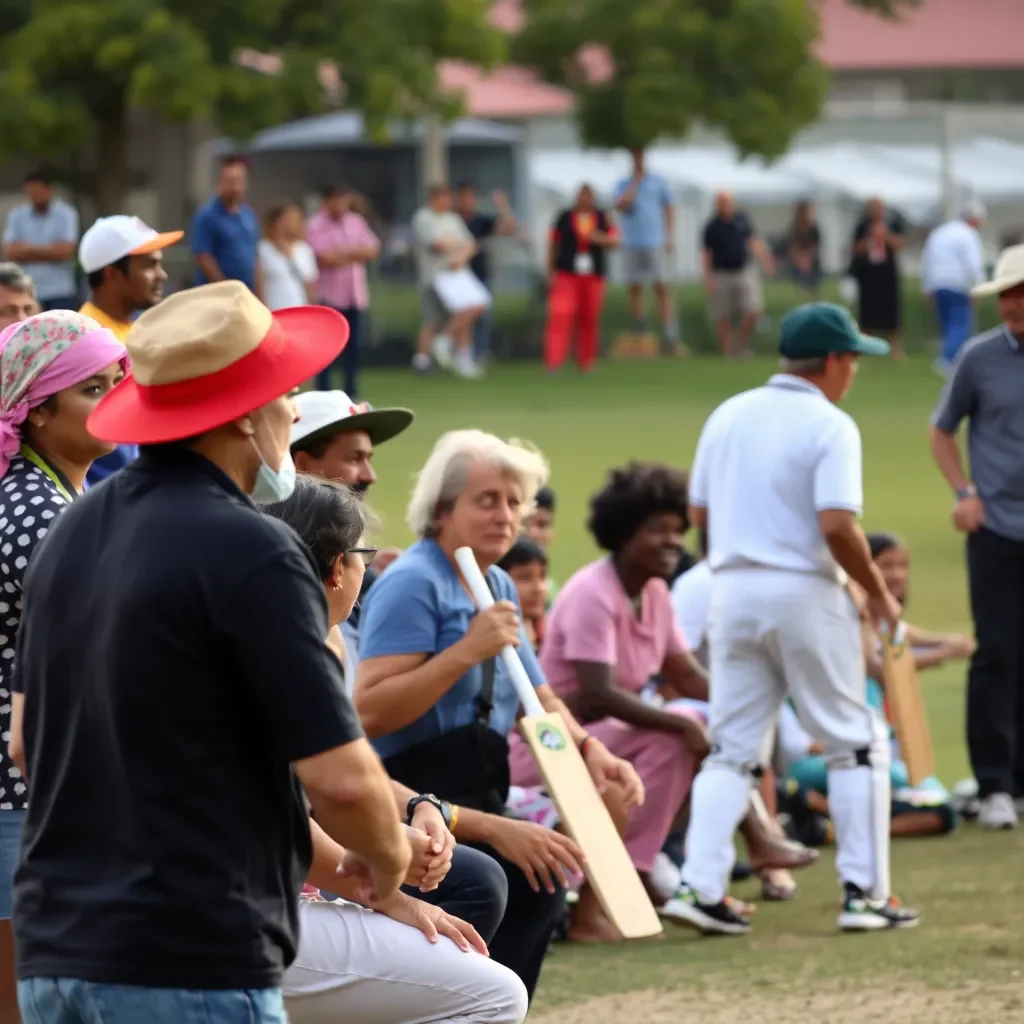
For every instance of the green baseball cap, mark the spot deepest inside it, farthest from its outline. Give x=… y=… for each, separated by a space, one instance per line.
x=822 y=329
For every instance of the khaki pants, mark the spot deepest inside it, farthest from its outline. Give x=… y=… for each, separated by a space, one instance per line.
x=737 y=294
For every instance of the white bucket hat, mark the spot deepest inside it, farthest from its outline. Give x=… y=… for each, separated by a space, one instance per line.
x=1009 y=272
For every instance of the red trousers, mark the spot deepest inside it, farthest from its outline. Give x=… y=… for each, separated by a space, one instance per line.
x=574 y=303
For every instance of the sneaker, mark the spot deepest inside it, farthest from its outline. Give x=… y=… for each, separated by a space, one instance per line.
x=421 y=363
x=859 y=914
x=686 y=907
x=463 y=365
x=997 y=812
x=441 y=347
x=942 y=368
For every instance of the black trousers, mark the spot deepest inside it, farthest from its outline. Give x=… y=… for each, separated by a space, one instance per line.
x=995 y=683
x=521 y=940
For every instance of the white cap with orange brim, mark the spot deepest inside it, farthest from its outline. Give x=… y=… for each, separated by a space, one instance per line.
x=112 y=238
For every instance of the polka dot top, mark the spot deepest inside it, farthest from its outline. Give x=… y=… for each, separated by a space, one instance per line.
x=29 y=503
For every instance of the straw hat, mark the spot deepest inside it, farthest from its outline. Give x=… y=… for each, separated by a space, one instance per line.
x=1008 y=273
x=206 y=356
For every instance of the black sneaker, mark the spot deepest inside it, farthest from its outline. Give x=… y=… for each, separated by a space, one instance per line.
x=860 y=914
x=719 y=918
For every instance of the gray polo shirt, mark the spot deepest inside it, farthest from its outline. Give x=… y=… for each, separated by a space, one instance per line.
x=987 y=389
x=59 y=223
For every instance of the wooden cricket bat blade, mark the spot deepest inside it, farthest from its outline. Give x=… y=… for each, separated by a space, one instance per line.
x=585 y=817
x=909 y=716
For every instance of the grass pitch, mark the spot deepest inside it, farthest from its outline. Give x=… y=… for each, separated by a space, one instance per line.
x=964 y=963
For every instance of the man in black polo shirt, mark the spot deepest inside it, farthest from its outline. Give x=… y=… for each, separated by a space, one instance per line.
x=178 y=696
x=731 y=280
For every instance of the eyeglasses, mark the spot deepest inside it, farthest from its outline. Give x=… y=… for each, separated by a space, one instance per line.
x=366 y=554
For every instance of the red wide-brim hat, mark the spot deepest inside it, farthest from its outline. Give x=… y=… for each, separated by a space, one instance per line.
x=209 y=355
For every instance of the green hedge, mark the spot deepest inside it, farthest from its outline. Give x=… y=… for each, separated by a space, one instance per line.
x=519 y=318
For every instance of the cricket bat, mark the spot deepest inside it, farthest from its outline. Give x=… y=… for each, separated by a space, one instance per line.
x=583 y=813
x=909 y=717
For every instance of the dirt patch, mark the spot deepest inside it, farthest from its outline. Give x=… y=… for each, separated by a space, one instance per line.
x=904 y=1004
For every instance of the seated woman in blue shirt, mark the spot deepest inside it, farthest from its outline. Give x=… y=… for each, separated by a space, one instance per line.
x=438 y=702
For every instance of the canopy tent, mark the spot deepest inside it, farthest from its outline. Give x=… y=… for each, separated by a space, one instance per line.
x=840 y=178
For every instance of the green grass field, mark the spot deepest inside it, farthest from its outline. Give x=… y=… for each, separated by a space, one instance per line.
x=964 y=962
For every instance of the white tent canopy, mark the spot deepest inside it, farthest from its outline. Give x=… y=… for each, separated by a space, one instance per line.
x=909 y=178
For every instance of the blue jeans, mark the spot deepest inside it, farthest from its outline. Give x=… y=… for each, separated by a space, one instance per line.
x=351 y=356
x=956 y=320
x=70 y=1001
x=11 y=825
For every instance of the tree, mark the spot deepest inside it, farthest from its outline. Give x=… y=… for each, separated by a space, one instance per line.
x=648 y=69
x=75 y=71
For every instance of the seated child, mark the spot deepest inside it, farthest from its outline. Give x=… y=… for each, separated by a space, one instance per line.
x=527 y=564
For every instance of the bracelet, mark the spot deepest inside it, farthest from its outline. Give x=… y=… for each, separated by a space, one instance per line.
x=583 y=744
x=455 y=818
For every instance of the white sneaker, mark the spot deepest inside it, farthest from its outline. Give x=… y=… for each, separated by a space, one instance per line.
x=997 y=812
x=463 y=365
x=441 y=346
x=421 y=363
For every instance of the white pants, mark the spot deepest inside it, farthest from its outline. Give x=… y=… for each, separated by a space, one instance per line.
x=357 y=966
x=772 y=634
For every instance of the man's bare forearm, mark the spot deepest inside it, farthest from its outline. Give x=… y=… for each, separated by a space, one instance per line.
x=946 y=453
x=850 y=549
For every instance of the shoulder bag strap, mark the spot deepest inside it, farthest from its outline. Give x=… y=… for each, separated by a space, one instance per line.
x=485 y=698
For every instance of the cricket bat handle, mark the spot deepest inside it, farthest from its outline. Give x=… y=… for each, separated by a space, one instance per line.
x=484 y=599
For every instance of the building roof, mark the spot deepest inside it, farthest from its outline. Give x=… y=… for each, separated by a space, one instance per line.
x=938 y=34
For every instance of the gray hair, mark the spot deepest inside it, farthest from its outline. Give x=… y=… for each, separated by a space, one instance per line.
x=15 y=278
x=446 y=472
x=804 y=367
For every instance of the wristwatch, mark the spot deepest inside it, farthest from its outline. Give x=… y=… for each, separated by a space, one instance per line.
x=443 y=807
x=970 y=491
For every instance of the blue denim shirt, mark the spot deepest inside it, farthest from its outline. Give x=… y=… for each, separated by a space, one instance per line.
x=231 y=238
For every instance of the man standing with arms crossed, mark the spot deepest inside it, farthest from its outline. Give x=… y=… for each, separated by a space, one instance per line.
x=777 y=483
x=986 y=389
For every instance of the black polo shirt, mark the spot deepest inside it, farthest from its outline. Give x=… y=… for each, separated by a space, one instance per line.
x=173 y=663
x=727 y=241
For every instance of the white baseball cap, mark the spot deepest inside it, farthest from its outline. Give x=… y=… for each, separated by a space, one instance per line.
x=326 y=413
x=112 y=238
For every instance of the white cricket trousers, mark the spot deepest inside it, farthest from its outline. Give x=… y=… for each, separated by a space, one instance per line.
x=773 y=634
x=355 y=965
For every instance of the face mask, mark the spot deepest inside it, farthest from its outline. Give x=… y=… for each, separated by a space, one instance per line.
x=270 y=486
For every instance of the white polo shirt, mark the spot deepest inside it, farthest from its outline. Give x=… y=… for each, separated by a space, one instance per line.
x=768 y=461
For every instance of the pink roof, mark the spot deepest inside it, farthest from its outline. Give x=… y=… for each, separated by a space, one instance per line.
x=505 y=92
x=938 y=34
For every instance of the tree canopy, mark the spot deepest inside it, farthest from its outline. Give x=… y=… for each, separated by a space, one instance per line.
x=648 y=69
x=74 y=71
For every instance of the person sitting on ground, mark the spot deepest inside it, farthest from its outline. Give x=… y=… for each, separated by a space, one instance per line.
x=17 y=295
x=539 y=526
x=527 y=564
x=335 y=438
x=122 y=259
x=437 y=701
x=338 y=972
x=610 y=631
x=922 y=810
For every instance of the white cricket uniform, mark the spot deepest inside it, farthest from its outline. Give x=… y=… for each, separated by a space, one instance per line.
x=781 y=620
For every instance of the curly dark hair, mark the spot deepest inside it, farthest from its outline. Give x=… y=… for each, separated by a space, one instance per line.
x=631 y=495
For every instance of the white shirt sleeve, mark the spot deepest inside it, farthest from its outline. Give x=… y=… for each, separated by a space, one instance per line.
x=838 y=483
x=699 y=483
x=305 y=260
x=691 y=602
x=928 y=265
x=975 y=258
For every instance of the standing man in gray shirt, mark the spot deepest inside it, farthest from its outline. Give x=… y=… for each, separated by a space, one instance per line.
x=42 y=236
x=987 y=389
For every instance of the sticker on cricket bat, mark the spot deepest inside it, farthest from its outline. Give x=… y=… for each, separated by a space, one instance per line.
x=550 y=737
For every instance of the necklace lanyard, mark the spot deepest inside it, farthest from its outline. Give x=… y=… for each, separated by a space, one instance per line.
x=55 y=476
